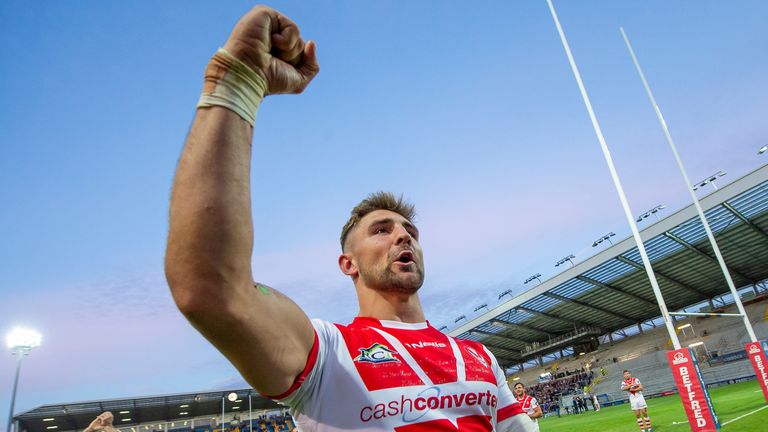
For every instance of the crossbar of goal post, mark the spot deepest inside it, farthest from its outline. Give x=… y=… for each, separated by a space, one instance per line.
x=755 y=349
x=685 y=369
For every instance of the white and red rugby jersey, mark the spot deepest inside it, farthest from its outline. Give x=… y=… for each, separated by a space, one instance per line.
x=630 y=382
x=376 y=375
x=528 y=404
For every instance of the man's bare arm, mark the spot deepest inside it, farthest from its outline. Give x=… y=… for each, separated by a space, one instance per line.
x=102 y=422
x=537 y=413
x=210 y=241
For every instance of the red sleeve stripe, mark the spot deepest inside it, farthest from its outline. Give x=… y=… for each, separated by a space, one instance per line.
x=508 y=411
x=311 y=360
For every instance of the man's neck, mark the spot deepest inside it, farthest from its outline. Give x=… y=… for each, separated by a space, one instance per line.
x=391 y=306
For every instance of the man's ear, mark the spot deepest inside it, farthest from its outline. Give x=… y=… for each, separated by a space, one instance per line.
x=347 y=265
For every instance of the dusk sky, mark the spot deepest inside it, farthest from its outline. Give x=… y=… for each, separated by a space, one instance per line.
x=467 y=108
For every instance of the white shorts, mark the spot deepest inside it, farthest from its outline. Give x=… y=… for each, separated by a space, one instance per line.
x=637 y=401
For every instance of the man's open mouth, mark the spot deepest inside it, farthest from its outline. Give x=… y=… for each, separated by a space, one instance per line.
x=405 y=257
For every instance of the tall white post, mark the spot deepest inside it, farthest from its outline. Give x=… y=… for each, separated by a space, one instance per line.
x=617 y=184
x=688 y=186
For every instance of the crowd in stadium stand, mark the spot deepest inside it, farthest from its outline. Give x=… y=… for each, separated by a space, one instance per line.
x=563 y=383
x=269 y=424
x=272 y=423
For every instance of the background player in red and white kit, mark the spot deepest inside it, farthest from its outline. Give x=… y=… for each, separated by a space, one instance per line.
x=529 y=403
x=634 y=388
x=389 y=369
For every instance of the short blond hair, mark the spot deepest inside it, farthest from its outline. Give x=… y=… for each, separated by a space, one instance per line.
x=377 y=201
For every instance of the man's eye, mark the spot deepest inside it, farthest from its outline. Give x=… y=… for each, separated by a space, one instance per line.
x=380 y=230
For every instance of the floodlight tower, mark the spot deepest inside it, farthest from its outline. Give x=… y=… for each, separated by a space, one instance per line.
x=20 y=341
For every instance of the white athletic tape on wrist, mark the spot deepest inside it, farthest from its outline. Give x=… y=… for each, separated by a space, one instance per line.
x=232 y=84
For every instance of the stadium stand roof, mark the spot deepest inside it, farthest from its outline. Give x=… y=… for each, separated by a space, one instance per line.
x=611 y=290
x=165 y=408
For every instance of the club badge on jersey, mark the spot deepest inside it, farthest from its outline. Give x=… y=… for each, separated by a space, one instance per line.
x=377 y=353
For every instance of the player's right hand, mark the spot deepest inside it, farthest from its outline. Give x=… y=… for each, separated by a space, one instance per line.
x=101 y=422
x=271 y=45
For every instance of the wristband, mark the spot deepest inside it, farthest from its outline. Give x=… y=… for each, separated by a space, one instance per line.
x=232 y=84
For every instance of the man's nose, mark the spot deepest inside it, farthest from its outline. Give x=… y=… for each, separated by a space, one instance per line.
x=403 y=236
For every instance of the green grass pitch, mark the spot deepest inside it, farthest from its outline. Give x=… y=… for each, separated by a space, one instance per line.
x=730 y=402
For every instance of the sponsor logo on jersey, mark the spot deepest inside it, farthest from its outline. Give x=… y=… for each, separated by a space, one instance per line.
x=478 y=356
x=424 y=344
x=377 y=353
x=412 y=409
x=679 y=358
x=754 y=349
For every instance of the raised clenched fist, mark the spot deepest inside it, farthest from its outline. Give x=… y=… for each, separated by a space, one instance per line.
x=271 y=45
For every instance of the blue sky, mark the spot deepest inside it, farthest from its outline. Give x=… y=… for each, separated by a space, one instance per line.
x=471 y=111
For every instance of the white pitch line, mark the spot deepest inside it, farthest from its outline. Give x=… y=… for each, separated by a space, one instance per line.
x=742 y=416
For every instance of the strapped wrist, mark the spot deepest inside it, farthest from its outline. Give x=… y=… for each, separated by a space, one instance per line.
x=232 y=84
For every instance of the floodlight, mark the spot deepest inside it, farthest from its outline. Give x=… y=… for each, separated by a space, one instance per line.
x=564 y=260
x=21 y=338
x=509 y=291
x=650 y=212
x=463 y=317
x=606 y=237
x=484 y=305
x=533 y=277
x=709 y=180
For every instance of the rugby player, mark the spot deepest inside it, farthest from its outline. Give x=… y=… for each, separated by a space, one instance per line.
x=634 y=388
x=529 y=404
x=387 y=370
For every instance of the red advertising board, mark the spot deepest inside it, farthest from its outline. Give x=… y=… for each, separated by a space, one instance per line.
x=759 y=361
x=693 y=392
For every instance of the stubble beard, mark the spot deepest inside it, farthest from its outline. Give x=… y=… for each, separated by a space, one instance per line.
x=386 y=280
